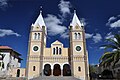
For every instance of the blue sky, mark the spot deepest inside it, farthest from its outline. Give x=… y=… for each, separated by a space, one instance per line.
x=101 y=19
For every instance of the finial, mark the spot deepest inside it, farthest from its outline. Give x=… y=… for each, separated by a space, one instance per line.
x=74 y=11
x=40 y=9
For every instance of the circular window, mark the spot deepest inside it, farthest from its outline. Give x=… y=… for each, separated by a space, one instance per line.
x=78 y=48
x=35 y=48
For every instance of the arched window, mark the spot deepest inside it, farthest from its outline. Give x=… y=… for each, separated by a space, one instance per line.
x=79 y=68
x=79 y=36
x=18 y=73
x=38 y=36
x=53 y=51
x=75 y=35
x=60 y=51
x=56 y=50
x=33 y=68
x=35 y=36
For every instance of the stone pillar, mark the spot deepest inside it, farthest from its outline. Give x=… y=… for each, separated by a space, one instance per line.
x=51 y=72
x=42 y=74
x=61 y=72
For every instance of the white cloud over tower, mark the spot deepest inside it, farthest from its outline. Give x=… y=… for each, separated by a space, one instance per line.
x=64 y=7
x=54 y=23
x=3 y=4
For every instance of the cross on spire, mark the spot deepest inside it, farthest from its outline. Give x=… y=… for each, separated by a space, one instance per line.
x=40 y=9
x=74 y=11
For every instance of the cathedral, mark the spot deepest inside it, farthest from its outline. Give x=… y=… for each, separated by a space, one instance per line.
x=57 y=60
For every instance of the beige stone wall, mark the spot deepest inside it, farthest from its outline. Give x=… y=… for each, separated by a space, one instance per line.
x=61 y=59
x=78 y=57
x=13 y=72
x=32 y=73
x=33 y=34
x=79 y=74
x=78 y=52
x=49 y=51
x=52 y=59
x=31 y=48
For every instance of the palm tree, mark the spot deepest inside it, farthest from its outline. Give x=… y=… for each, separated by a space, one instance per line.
x=112 y=56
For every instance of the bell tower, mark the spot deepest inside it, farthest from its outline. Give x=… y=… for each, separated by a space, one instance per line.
x=37 y=43
x=78 y=54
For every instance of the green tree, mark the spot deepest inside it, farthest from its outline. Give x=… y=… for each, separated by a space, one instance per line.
x=92 y=71
x=112 y=56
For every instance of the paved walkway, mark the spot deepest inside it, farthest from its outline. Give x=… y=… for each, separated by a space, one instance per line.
x=55 y=78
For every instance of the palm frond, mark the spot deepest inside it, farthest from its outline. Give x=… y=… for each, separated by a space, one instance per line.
x=114 y=56
x=105 y=55
x=117 y=37
x=107 y=62
x=113 y=41
x=110 y=46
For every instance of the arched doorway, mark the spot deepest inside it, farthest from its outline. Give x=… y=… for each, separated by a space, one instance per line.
x=56 y=70
x=47 y=69
x=66 y=70
x=18 y=73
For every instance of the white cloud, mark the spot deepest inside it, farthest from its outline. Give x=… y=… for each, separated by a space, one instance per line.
x=118 y=16
x=65 y=35
x=102 y=48
x=87 y=35
x=6 y=32
x=54 y=25
x=112 y=18
x=109 y=35
x=97 y=38
x=115 y=24
x=3 y=4
x=83 y=20
x=64 y=7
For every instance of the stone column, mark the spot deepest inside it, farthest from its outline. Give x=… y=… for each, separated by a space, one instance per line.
x=51 y=72
x=61 y=72
x=42 y=74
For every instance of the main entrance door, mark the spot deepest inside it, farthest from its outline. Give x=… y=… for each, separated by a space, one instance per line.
x=66 y=70
x=47 y=70
x=56 y=70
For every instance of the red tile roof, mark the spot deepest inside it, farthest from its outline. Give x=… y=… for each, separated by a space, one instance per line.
x=8 y=48
x=5 y=47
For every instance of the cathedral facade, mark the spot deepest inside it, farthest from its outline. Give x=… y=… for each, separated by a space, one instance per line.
x=57 y=60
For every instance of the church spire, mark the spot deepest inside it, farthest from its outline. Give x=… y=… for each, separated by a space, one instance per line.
x=39 y=20
x=75 y=20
